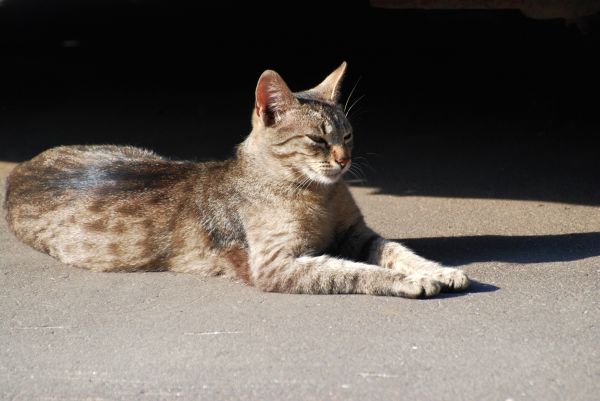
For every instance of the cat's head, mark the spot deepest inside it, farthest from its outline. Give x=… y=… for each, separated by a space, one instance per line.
x=306 y=134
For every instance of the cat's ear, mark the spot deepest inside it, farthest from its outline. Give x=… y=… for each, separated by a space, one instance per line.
x=329 y=90
x=273 y=97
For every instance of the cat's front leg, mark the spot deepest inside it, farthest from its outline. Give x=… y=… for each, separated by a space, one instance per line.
x=396 y=256
x=328 y=275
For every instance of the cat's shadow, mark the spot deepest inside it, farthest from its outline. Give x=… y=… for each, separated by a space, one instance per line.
x=456 y=251
x=474 y=288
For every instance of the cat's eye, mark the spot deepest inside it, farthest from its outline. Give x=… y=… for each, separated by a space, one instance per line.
x=323 y=128
x=317 y=139
x=347 y=137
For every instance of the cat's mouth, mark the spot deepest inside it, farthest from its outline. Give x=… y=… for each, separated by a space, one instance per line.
x=327 y=176
x=325 y=173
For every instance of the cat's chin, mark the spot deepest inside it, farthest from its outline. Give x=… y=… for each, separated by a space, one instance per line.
x=329 y=179
x=322 y=178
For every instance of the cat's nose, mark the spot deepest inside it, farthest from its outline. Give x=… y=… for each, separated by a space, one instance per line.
x=340 y=155
x=342 y=161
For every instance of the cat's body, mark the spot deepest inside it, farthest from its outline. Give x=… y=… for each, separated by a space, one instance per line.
x=276 y=216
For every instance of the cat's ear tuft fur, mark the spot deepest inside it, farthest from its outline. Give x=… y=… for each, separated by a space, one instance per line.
x=273 y=97
x=329 y=90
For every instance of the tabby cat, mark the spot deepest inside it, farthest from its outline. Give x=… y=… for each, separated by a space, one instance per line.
x=277 y=216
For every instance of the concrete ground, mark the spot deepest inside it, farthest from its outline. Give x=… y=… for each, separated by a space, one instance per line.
x=528 y=329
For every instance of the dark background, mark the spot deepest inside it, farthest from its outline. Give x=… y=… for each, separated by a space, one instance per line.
x=457 y=103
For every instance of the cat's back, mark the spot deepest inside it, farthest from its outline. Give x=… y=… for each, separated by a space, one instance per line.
x=84 y=172
x=85 y=201
x=66 y=167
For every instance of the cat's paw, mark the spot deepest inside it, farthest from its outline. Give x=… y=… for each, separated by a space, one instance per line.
x=451 y=279
x=417 y=285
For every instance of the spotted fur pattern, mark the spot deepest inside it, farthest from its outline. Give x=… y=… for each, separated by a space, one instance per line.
x=277 y=216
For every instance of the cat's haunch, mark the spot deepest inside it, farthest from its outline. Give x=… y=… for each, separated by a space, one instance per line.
x=273 y=216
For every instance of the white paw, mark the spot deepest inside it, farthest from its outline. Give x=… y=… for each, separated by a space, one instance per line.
x=453 y=279
x=417 y=285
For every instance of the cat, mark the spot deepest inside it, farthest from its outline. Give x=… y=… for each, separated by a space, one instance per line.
x=277 y=215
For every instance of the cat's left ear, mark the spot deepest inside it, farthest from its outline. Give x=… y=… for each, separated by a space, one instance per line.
x=330 y=89
x=273 y=97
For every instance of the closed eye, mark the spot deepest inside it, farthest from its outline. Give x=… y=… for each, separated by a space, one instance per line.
x=317 y=139
x=347 y=137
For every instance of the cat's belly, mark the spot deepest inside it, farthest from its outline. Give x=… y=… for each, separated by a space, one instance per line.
x=108 y=240
x=125 y=237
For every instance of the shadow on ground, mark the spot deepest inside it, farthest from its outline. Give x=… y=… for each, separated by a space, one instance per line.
x=455 y=251
x=528 y=167
x=476 y=287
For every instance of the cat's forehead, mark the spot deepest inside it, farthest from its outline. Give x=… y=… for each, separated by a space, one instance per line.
x=330 y=115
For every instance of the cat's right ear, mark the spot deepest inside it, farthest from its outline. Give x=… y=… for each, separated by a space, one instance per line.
x=273 y=97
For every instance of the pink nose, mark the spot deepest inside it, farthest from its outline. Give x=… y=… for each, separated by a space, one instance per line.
x=342 y=162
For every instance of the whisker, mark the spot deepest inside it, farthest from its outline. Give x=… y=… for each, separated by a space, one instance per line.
x=356 y=171
x=365 y=162
x=357 y=113
x=350 y=95
x=354 y=104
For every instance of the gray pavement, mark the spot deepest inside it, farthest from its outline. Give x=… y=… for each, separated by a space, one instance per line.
x=529 y=328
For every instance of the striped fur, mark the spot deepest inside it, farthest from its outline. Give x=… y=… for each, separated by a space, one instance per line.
x=277 y=216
